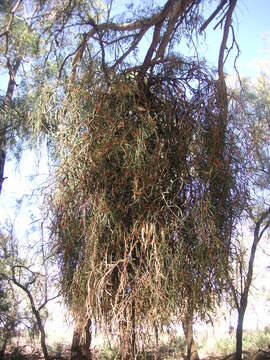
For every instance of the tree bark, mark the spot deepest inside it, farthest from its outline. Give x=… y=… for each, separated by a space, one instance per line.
x=192 y=352
x=124 y=339
x=156 y=334
x=127 y=329
x=81 y=340
x=133 y=335
x=239 y=334
x=42 y=333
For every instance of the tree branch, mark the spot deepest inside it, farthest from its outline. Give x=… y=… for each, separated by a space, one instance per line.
x=8 y=27
x=213 y=15
x=178 y=12
x=225 y=38
x=131 y=48
x=257 y=237
x=156 y=20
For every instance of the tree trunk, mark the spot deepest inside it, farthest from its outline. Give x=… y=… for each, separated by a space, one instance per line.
x=42 y=333
x=81 y=340
x=127 y=329
x=88 y=339
x=3 y=349
x=124 y=339
x=36 y=312
x=2 y=157
x=133 y=335
x=192 y=352
x=239 y=334
x=156 y=334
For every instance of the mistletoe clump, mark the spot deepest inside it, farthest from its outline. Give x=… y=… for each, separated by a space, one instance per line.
x=145 y=197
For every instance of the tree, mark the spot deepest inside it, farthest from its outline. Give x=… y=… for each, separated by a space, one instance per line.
x=253 y=118
x=126 y=136
x=27 y=63
x=34 y=285
x=8 y=311
x=241 y=296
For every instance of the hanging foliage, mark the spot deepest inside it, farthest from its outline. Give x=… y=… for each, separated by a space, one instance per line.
x=146 y=196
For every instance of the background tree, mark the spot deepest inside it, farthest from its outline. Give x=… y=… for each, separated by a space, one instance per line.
x=241 y=296
x=37 y=287
x=17 y=43
x=253 y=119
x=9 y=314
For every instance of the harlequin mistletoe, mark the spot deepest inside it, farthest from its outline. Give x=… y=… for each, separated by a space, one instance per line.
x=146 y=195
